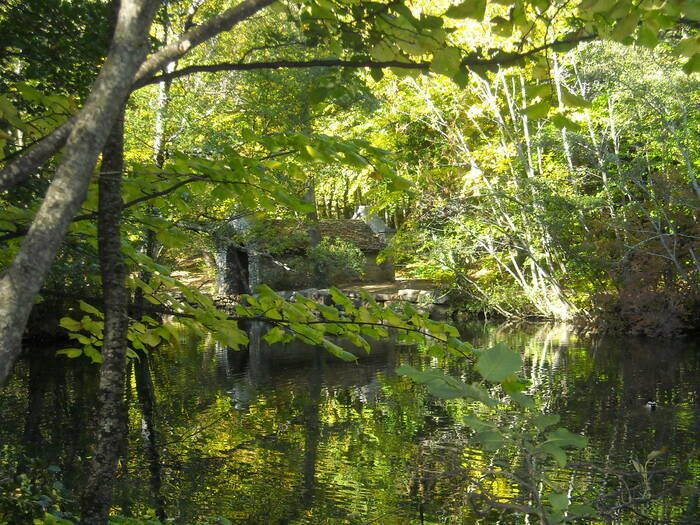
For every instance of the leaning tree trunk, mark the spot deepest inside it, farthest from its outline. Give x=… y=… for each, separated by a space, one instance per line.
x=111 y=423
x=22 y=281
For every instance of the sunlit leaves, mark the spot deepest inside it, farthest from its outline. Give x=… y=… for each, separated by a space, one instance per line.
x=276 y=335
x=315 y=322
x=467 y=9
x=561 y=121
x=32 y=112
x=337 y=351
x=538 y=110
x=70 y=352
x=626 y=26
x=572 y=100
x=446 y=61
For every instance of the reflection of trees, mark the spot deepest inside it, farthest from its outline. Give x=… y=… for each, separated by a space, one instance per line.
x=146 y=397
x=312 y=431
x=600 y=388
x=59 y=395
x=343 y=441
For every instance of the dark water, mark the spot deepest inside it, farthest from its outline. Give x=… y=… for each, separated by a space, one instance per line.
x=292 y=435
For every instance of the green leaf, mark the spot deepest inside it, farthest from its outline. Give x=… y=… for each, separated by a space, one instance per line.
x=443 y=386
x=502 y=26
x=446 y=61
x=461 y=78
x=377 y=74
x=692 y=65
x=85 y=307
x=625 y=26
x=538 y=110
x=462 y=347
x=91 y=352
x=691 y=8
x=555 y=517
x=571 y=100
x=546 y=420
x=513 y=384
x=338 y=352
x=565 y=439
x=468 y=9
x=382 y=52
x=341 y=299
x=598 y=6
x=29 y=93
x=497 y=363
x=637 y=466
x=560 y=121
x=70 y=352
x=655 y=454
x=538 y=90
x=688 y=46
x=439 y=384
x=275 y=335
x=523 y=400
x=558 y=500
x=554 y=451
x=647 y=36
x=577 y=510
x=150 y=338
x=10 y=113
x=70 y=324
x=6 y=225
x=477 y=424
x=228 y=333
x=480 y=394
x=491 y=439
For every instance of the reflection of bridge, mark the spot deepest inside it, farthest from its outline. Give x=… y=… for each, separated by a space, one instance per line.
x=264 y=366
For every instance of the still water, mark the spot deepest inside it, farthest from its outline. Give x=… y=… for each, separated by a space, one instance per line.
x=292 y=435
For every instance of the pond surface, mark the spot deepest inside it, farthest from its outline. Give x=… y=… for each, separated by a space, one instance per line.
x=292 y=435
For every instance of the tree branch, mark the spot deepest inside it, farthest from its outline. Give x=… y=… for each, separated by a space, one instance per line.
x=470 y=62
x=35 y=156
x=28 y=163
x=196 y=36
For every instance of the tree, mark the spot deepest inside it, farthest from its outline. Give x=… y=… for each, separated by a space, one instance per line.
x=378 y=35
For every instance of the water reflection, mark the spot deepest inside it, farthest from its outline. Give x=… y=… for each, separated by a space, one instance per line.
x=292 y=435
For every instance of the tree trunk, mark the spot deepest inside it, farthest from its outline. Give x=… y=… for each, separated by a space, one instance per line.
x=21 y=282
x=111 y=423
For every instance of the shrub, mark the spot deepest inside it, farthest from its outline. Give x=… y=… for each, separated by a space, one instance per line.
x=336 y=261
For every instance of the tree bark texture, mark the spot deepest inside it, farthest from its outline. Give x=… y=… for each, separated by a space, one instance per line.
x=27 y=164
x=111 y=423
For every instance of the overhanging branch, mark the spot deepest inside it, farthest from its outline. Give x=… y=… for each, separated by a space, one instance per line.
x=503 y=59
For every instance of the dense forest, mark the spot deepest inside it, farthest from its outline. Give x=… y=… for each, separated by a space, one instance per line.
x=342 y=175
